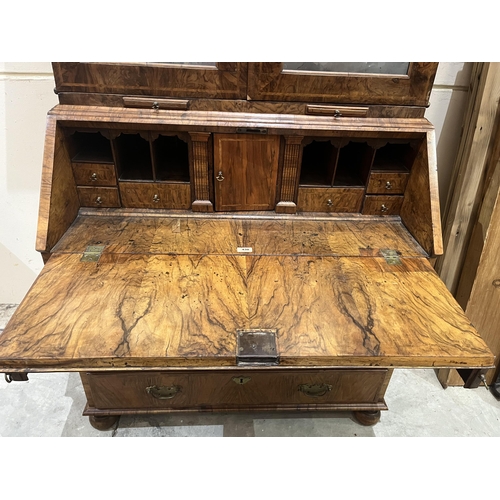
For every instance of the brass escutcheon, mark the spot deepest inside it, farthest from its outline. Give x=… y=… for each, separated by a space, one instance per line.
x=163 y=391
x=241 y=380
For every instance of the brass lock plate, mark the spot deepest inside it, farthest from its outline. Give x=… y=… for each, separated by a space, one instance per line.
x=257 y=347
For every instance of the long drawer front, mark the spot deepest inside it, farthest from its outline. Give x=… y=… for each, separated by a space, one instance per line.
x=238 y=388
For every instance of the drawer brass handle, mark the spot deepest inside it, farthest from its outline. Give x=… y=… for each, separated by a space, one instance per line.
x=241 y=380
x=388 y=185
x=93 y=177
x=383 y=208
x=337 y=113
x=163 y=391
x=329 y=203
x=156 y=106
x=220 y=177
x=156 y=198
x=315 y=390
x=98 y=200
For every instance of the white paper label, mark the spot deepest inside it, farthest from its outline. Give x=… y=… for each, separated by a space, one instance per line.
x=244 y=249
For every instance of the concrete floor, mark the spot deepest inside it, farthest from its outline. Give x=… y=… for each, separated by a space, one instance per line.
x=51 y=404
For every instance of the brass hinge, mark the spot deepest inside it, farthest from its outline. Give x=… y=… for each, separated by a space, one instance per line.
x=391 y=256
x=92 y=253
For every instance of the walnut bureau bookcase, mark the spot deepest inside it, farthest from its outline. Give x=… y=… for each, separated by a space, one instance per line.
x=239 y=237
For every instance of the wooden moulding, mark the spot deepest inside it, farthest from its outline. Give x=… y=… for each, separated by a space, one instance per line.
x=226 y=122
x=241 y=106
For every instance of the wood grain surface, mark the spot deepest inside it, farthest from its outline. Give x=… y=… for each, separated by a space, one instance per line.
x=246 y=171
x=225 y=80
x=215 y=389
x=58 y=195
x=164 y=310
x=237 y=105
x=194 y=236
x=268 y=81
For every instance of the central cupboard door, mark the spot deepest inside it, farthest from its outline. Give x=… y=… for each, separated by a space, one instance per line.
x=246 y=171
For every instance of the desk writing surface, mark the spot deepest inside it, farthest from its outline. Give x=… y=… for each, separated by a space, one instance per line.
x=159 y=307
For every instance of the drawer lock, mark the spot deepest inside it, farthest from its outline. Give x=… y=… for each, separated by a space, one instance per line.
x=256 y=347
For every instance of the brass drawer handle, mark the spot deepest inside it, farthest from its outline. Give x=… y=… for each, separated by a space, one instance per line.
x=163 y=391
x=156 y=198
x=220 y=177
x=93 y=177
x=241 y=380
x=315 y=390
x=388 y=185
x=383 y=209
x=98 y=200
x=329 y=203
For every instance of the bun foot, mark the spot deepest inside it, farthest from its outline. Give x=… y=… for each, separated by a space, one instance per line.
x=103 y=423
x=366 y=417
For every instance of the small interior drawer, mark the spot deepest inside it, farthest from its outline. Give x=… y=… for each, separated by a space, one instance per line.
x=387 y=182
x=235 y=388
x=382 y=205
x=94 y=174
x=330 y=199
x=155 y=195
x=99 y=197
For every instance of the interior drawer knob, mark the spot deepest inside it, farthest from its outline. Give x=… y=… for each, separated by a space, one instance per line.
x=98 y=200
x=388 y=185
x=220 y=177
x=383 y=208
x=315 y=390
x=93 y=177
x=329 y=203
x=156 y=198
x=163 y=391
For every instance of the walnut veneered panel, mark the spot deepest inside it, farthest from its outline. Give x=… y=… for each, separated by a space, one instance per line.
x=382 y=205
x=155 y=195
x=269 y=82
x=212 y=389
x=223 y=81
x=346 y=200
x=387 y=182
x=195 y=235
x=133 y=310
x=94 y=174
x=246 y=171
x=98 y=197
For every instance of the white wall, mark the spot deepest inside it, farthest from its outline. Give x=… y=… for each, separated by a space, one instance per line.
x=27 y=90
x=27 y=95
x=446 y=111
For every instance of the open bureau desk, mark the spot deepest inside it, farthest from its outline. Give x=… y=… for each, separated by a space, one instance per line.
x=237 y=237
